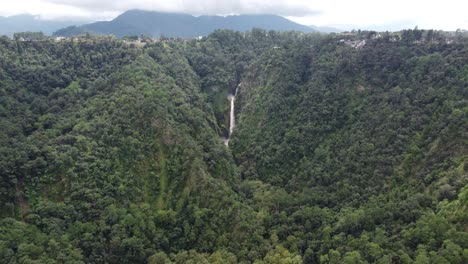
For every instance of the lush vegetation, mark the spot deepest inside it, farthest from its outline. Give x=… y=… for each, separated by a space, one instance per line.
x=111 y=152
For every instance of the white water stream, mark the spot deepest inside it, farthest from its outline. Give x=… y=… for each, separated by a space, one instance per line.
x=232 y=116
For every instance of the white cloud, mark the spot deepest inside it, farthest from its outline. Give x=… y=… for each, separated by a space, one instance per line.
x=392 y=14
x=206 y=7
x=49 y=10
x=447 y=14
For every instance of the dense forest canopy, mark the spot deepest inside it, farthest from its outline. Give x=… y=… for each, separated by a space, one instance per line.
x=349 y=148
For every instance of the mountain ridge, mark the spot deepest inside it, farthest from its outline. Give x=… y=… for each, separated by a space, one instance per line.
x=155 y=24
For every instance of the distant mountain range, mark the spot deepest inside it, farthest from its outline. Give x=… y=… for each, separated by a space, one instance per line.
x=26 y=22
x=326 y=29
x=155 y=24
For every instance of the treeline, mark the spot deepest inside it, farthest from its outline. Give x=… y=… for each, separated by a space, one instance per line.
x=111 y=153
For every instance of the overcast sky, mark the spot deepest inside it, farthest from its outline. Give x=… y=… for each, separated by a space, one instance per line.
x=344 y=14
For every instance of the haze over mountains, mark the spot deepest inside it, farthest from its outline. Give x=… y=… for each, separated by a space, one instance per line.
x=27 y=22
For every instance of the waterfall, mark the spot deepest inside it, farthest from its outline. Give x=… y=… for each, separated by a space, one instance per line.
x=232 y=117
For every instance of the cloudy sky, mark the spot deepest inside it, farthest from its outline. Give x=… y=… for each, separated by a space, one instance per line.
x=344 y=14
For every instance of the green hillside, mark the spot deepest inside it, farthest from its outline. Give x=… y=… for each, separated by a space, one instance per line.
x=349 y=148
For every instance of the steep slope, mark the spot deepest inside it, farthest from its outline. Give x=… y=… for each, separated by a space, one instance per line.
x=351 y=147
x=156 y=24
x=376 y=134
x=106 y=154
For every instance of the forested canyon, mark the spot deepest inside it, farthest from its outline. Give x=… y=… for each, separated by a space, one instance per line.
x=257 y=147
